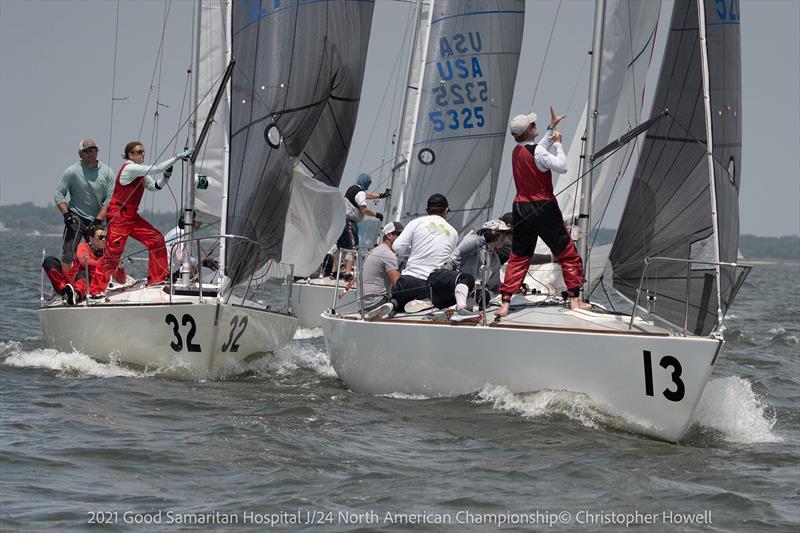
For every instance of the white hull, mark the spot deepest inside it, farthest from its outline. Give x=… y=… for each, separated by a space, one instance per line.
x=436 y=359
x=313 y=296
x=184 y=339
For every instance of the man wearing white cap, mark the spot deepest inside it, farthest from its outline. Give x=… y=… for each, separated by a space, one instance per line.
x=89 y=184
x=380 y=273
x=536 y=212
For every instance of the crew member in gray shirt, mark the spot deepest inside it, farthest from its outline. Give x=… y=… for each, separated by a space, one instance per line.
x=89 y=184
x=380 y=271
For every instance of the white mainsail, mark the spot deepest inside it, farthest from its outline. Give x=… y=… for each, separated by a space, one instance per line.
x=460 y=94
x=211 y=161
x=629 y=34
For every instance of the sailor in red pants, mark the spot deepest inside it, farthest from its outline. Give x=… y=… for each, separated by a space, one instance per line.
x=536 y=211
x=124 y=219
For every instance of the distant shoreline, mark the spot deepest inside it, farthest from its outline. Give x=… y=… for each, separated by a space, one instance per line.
x=31 y=220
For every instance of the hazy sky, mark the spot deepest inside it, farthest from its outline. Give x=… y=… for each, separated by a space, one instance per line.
x=57 y=72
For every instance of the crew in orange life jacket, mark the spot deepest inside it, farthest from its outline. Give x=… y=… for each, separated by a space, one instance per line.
x=124 y=220
x=72 y=286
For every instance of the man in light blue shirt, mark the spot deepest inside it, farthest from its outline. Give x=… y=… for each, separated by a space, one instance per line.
x=89 y=185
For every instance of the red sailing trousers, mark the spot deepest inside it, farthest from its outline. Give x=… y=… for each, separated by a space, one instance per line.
x=120 y=228
x=531 y=221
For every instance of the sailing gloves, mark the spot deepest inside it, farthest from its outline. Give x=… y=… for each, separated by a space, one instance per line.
x=379 y=216
x=186 y=154
x=71 y=219
x=385 y=193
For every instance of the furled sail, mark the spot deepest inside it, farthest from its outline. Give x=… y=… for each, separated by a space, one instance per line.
x=295 y=94
x=211 y=160
x=669 y=212
x=629 y=34
x=462 y=101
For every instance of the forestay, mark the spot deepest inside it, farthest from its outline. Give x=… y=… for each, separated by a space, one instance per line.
x=295 y=95
x=462 y=98
x=669 y=212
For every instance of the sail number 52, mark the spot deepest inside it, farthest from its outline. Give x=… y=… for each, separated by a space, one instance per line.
x=667 y=363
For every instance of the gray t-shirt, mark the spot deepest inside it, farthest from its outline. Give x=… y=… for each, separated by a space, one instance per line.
x=375 y=275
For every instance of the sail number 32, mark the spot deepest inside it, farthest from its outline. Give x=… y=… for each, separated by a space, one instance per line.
x=238 y=325
x=667 y=363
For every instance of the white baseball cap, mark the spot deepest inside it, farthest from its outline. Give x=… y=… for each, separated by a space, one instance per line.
x=496 y=225
x=520 y=123
x=391 y=227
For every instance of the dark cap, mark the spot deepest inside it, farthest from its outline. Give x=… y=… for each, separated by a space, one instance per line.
x=437 y=200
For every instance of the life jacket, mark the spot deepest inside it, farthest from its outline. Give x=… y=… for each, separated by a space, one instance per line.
x=532 y=184
x=126 y=198
x=352 y=209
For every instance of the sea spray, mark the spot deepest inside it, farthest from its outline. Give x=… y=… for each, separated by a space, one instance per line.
x=729 y=406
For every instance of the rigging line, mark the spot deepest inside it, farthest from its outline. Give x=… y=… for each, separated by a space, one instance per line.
x=546 y=50
x=113 y=81
x=159 y=54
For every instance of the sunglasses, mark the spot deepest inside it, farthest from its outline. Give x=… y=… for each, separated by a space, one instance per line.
x=100 y=237
x=138 y=152
x=89 y=150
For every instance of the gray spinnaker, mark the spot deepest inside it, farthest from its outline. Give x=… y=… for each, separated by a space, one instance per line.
x=467 y=84
x=669 y=208
x=295 y=94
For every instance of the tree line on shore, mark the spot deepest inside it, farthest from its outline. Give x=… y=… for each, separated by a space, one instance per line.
x=28 y=218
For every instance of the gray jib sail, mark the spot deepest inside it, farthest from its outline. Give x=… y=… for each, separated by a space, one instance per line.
x=668 y=211
x=466 y=91
x=295 y=93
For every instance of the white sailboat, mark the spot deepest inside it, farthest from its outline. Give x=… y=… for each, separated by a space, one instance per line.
x=675 y=253
x=268 y=172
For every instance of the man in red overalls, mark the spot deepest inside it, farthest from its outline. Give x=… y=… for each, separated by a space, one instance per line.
x=124 y=220
x=536 y=211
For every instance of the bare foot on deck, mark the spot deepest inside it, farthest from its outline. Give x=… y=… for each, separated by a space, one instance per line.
x=577 y=303
x=503 y=311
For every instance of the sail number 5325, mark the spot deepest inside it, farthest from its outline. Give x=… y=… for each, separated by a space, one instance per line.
x=676 y=391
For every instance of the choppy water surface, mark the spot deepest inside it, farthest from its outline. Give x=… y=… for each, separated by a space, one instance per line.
x=287 y=447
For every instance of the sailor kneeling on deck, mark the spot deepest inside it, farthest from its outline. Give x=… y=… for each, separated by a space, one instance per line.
x=429 y=241
x=72 y=286
x=380 y=272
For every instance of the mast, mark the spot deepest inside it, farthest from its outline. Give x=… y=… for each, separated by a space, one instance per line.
x=701 y=22
x=226 y=149
x=401 y=163
x=188 y=177
x=591 y=124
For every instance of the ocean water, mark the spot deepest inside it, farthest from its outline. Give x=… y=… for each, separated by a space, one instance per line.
x=287 y=447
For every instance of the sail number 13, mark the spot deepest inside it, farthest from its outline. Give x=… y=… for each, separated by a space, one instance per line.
x=667 y=362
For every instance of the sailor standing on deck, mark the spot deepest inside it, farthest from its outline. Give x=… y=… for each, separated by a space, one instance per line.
x=89 y=184
x=125 y=221
x=356 y=209
x=536 y=211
